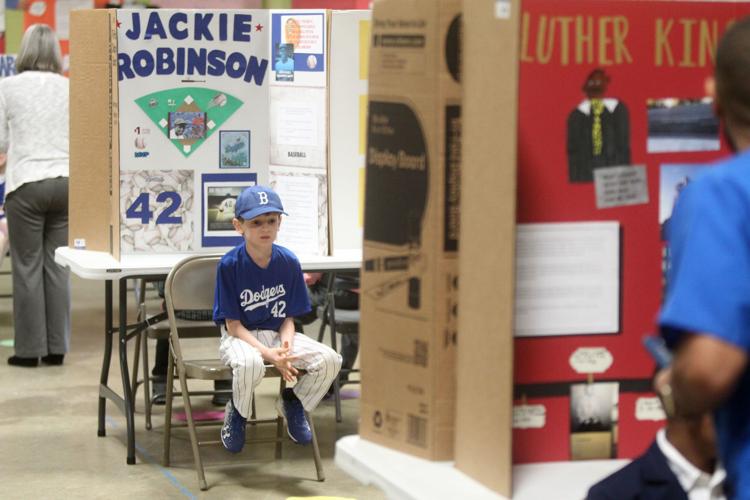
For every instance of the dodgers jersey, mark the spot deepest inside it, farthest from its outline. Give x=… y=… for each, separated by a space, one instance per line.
x=260 y=298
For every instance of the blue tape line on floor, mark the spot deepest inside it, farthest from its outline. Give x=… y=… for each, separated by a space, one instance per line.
x=148 y=458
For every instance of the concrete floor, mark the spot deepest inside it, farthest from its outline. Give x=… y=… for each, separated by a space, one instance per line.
x=49 y=446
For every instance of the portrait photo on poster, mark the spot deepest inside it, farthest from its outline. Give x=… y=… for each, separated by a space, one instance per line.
x=219 y=194
x=187 y=125
x=284 y=62
x=598 y=130
x=679 y=125
x=234 y=149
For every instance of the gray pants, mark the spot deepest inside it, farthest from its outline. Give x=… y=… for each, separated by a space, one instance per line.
x=38 y=224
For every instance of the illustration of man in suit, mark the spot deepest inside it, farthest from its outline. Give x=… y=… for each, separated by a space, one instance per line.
x=598 y=130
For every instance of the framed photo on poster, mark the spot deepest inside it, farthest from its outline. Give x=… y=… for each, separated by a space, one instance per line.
x=219 y=193
x=234 y=149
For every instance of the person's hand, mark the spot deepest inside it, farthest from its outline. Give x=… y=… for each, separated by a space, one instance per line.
x=280 y=358
x=312 y=278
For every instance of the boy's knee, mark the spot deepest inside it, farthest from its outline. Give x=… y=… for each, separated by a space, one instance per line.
x=252 y=364
x=334 y=359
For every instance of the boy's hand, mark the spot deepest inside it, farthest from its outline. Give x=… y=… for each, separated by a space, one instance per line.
x=280 y=358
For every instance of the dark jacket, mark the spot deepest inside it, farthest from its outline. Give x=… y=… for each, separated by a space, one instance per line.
x=615 y=142
x=648 y=477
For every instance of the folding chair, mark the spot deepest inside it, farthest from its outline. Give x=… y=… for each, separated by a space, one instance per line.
x=158 y=331
x=190 y=286
x=342 y=321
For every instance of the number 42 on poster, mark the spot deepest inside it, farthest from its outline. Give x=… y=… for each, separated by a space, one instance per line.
x=139 y=209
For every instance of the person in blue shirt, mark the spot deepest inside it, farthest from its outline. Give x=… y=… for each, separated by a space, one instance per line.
x=706 y=313
x=259 y=291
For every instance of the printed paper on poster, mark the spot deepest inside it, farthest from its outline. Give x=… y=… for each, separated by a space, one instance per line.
x=621 y=186
x=298 y=132
x=567 y=278
x=299 y=193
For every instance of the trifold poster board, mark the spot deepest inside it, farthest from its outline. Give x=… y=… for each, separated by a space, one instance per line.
x=614 y=119
x=350 y=45
x=174 y=112
x=486 y=253
x=409 y=273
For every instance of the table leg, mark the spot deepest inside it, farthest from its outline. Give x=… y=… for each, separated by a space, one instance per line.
x=127 y=391
x=103 y=378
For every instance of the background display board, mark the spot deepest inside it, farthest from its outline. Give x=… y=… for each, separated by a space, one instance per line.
x=350 y=44
x=298 y=125
x=174 y=112
x=193 y=114
x=627 y=123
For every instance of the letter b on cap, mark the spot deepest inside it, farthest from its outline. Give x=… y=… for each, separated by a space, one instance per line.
x=263 y=198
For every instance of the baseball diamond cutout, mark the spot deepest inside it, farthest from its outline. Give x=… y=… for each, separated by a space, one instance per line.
x=188 y=116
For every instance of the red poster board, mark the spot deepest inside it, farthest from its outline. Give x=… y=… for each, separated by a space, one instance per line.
x=649 y=50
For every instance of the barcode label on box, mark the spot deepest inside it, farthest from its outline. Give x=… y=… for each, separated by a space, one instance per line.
x=417 y=431
x=420 y=353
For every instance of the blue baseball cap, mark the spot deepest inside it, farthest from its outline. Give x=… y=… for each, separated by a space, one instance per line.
x=257 y=200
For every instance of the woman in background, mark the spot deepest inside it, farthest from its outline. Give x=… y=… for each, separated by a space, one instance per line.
x=34 y=132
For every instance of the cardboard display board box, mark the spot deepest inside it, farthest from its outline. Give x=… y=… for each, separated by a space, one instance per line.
x=488 y=204
x=409 y=277
x=94 y=136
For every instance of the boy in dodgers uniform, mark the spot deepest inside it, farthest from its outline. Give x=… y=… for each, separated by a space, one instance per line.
x=259 y=290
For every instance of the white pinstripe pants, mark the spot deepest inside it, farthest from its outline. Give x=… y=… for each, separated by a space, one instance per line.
x=321 y=363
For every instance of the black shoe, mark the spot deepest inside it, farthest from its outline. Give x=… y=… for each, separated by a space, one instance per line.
x=53 y=359
x=159 y=391
x=222 y=399
x=26 y=362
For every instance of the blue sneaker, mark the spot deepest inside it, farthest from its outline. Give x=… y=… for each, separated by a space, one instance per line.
x=233 y=430
x=296 y=422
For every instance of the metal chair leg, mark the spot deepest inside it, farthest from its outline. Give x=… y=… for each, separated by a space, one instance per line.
x=168 y=413
x=323 y=323
x=316 y=449
x=146 y=384
x=280 y=424
x=328 y=305
x=184 y=390
x=337 y=398
x=335 y=347
x=139 y=289
x=136 y=358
